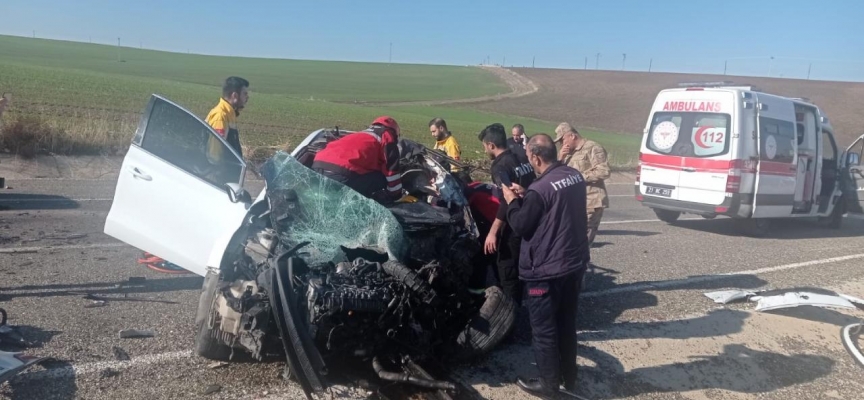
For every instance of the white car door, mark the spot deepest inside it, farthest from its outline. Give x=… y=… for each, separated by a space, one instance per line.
x=171 y=198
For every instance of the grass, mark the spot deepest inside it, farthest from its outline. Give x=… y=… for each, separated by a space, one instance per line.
x=321 y=80
x=74 y=111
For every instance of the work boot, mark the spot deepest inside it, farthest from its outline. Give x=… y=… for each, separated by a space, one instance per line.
x=538 y=387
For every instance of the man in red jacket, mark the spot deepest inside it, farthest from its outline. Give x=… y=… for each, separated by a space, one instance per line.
x=366 y=161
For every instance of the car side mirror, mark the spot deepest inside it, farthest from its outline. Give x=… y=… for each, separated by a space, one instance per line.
x=237 y=194
x=853 y=159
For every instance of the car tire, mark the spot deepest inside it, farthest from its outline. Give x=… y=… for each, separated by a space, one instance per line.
x=667 y=216
x=206 y=343
x=490 y=326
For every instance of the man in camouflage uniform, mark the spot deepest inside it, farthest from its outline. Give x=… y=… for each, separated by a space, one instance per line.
x=589 y=158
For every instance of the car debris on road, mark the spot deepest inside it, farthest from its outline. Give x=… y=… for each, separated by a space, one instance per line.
x=785 y=300
x=136 y=333
x=13 y=363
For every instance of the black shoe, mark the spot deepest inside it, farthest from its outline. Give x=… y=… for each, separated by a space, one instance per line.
x=537 y=387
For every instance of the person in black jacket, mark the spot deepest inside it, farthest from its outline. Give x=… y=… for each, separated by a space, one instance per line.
x=550 y=217
x=507 y=170
x=517 y=142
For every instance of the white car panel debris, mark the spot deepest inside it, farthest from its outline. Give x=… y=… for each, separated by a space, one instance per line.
x=795 y=299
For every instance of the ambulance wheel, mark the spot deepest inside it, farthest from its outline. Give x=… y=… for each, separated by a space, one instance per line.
x=666 y=215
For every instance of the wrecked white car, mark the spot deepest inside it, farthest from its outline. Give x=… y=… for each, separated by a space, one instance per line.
x=310 y=268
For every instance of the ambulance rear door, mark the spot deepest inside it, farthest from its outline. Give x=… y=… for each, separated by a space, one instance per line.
x=777 y=167
x=687 y=151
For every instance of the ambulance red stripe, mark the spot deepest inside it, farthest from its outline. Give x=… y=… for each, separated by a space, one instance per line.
x=709 y=165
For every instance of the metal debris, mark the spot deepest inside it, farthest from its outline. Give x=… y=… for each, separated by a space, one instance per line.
x=795 y=299
x=13 y=363
x=96 y=303
x=212 y=389
x=120 y=354
x=136 y=333
x=217 y=364
x=728 y=296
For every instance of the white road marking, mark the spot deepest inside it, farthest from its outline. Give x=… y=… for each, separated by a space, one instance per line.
x=621 y=195
x=13 y=250
x=2 y=200
x=72 y=371
x=709 y=278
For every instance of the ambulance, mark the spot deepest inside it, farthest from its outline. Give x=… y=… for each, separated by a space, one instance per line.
x=715 y=149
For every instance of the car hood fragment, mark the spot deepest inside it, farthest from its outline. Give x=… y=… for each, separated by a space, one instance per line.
x=796 y=299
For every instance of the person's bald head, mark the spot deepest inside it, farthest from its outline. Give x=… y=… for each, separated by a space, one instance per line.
x=542 y=146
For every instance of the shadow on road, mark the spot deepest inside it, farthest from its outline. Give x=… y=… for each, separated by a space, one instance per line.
x=23 y=201
x=617 y=232
x=785 y=229
x=597 y=310
x=105 y=288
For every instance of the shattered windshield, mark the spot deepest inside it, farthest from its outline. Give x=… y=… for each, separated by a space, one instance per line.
x=312 y=208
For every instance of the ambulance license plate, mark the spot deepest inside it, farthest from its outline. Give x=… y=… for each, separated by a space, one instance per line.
x=657 y=191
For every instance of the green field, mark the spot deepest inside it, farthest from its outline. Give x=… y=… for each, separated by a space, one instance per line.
x=93 y=99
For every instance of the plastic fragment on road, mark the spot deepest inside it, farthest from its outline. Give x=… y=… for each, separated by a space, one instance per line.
x=854 y=300
x=136 y=333
x=13 y=363
x=728 y=296
x=796 y=299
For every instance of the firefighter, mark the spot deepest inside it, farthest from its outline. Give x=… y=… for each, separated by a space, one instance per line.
x=551 y=217
x=589 y=158
x=445 y=141
x=223 y=117
x=366 y=161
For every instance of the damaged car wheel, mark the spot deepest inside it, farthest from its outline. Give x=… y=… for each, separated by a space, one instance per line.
x=491 y=325
x=206 y=340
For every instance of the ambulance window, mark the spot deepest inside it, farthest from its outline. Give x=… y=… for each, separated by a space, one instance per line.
x=687 y=134
x=776 y=140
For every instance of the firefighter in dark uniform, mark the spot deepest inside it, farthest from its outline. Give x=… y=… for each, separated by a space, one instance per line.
x=550 y=216
x=506 y=170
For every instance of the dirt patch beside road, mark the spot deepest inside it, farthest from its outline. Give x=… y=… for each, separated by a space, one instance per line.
x=520 y=86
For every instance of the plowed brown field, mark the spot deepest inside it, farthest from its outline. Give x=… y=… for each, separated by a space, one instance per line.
x=620 y=101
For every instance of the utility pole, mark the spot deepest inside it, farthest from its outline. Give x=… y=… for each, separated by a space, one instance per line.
x=390 y=58
x=725 y=64
x=771 y=66
x=650 y=64
x=586 y=62
x=34 y=34
x=532 y=61
x=597 y=62
x=623 y=61
x=118 y=49
x=808 y=71
x=504 y=61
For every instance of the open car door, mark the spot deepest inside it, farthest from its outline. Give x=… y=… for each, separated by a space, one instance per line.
x=171 y=198
x=853 y=175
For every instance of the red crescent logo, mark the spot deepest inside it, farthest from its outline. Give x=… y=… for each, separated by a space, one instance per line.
x=698 y=137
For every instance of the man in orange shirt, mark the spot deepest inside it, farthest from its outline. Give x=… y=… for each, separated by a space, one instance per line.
x=223 y=117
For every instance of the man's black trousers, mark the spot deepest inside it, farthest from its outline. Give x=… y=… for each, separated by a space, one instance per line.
x=552 y=308
x=508 y=264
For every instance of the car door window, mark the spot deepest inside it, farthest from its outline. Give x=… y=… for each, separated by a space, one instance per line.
x=181 y=139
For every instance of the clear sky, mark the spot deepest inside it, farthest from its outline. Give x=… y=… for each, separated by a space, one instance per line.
x=680 y=36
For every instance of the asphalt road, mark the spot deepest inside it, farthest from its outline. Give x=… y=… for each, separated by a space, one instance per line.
x=641 y=318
